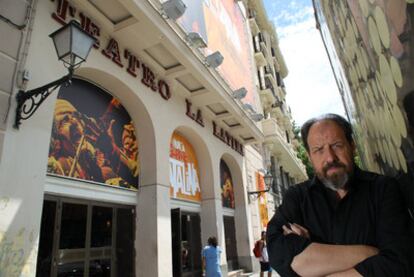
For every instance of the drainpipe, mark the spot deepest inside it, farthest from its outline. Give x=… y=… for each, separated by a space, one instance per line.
x=23 y=47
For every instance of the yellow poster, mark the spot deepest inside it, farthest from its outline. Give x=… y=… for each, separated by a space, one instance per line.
x=260 y=184
x=184 y=177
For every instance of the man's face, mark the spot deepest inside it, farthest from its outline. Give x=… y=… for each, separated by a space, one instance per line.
x=227 y=188
x=129 y=141
x=69 y=126
x=331 y=154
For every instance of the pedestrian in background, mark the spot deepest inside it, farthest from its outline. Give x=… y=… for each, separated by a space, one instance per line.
x=264 y=257
x=211 y=258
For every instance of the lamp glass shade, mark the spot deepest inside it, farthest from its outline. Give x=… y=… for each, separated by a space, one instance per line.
x=268 y=179
x=72 y=43
x=61 y=39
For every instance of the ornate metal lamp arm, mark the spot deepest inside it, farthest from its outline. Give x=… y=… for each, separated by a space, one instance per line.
x=29 y=101
x=258 y=191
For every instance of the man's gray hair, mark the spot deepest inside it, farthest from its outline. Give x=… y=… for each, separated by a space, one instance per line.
x=342 y=122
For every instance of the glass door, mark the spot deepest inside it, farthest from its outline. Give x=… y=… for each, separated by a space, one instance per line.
x=84 y=238
x=71 y=249
x=177 y=253
x=186 y=243
x=231 y=244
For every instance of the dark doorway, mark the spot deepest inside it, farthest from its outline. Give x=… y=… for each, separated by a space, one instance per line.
x=85 y=238
x=231 y=243
x=186 y=243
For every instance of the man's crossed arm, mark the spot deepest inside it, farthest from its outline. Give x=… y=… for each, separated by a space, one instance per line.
x=325 y=259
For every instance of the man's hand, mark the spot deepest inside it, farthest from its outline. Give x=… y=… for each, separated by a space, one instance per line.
x=349 y=273
x=296 y=229
x=342 y=258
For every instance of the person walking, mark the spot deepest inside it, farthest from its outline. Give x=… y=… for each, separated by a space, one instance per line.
x=264 y=257
x=211 y=258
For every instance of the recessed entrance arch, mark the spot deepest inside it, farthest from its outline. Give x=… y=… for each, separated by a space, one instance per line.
x=228 y=187
x=189 y=174
x=236 y=223
x=138 y=122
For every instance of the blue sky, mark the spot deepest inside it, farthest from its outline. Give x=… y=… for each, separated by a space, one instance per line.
x=310 y=84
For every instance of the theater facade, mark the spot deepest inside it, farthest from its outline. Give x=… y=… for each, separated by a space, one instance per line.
x=148 y=151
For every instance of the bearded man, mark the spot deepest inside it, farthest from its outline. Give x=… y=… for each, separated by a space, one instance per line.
x=71 y=154
x=343 y=222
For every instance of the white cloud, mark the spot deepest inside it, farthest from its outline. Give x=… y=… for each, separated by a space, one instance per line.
x=310 y=85
x=294 y=18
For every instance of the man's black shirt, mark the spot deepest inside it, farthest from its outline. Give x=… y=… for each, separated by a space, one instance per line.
x=372 y=213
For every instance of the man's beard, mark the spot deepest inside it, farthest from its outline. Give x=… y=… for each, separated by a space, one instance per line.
x=337 y=180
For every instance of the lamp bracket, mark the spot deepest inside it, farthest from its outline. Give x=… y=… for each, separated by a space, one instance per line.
x=29 y=101
x=257 y=191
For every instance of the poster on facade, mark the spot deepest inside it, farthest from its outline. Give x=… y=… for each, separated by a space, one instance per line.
x=93 y=138
x=223 y=26
x=184 y=174
x=262 y=200
x=226 y=183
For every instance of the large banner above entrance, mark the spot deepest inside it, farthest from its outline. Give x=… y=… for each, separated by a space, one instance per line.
x=184 y=176
x=264 y=216
x=223 y=26
x=93 y=138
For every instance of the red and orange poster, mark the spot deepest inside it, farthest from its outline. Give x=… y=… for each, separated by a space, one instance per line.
x=262 y=200
x=184 y=177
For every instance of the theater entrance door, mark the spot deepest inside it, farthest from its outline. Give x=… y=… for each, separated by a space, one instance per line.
x=231 y=243
x=86 y=238
x=186 y=243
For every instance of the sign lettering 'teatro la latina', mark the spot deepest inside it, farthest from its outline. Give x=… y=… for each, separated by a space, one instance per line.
x=65 y=10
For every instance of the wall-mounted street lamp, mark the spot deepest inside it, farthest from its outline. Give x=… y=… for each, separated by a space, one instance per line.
x=248 y=107
x=268 y=179
x=72 y=46
x=194 y=39
x=214 y=60
x=240 y=93
x=173 y=9
x=255 y=116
